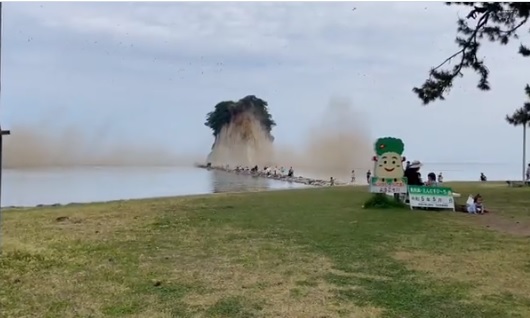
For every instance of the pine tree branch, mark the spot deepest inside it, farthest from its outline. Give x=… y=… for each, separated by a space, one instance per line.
x=491 y=17
x=472 y=40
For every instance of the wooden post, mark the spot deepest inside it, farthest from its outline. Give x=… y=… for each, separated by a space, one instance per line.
x=2 y=134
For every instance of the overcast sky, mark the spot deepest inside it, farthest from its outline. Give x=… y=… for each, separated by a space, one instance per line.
x=151 y=71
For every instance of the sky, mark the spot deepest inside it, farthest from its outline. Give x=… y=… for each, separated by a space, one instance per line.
x=149 y=72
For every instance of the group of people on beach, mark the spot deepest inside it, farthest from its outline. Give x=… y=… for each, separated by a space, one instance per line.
x=274 y=172
x=268 y=171
x=475 y=203
x=413 y=175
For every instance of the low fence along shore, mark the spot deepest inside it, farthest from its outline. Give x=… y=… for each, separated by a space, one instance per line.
x=274 y=175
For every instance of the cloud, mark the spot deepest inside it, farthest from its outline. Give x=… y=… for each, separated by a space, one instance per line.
x=169 y=63
x=290 y=31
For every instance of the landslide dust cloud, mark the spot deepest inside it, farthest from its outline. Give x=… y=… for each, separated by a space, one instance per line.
x=242 y=142
x=33 y=147
x=333 y=147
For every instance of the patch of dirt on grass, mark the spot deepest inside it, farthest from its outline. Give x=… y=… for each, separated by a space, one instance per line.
x=358 y=275
x=509 y=225
x=283 y=279
x=490 y=272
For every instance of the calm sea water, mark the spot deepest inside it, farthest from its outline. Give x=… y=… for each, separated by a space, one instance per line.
x=30 y=187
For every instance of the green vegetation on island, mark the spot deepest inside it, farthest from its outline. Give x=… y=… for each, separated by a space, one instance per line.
x=226 y=111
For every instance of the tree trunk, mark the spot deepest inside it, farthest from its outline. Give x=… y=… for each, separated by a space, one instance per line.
x=524 y=151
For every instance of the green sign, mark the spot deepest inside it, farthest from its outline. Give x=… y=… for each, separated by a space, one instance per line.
x=431 y=197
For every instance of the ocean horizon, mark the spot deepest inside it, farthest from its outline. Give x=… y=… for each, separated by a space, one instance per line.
x=36 y=186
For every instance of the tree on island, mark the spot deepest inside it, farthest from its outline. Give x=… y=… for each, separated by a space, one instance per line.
x=495 y=21
x=521 y=117
x=227 y=111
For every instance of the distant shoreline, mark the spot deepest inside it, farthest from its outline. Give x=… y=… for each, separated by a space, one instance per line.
x=469 y=169
x=494 y=183
x=58 y=205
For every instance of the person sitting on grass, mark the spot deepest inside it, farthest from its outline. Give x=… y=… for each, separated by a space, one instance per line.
x=483 y=177
x=479 y=204
x=475 y=205
x=431 y=180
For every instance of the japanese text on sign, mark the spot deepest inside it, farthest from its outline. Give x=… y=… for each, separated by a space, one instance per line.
x=431 y=197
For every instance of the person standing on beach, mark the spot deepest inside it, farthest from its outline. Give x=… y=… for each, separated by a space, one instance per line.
x=368 y=176
x=413 y=174
x=440 y=178
x=290 y=174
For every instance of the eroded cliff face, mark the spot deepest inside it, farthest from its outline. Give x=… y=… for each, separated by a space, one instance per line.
x=244 y=141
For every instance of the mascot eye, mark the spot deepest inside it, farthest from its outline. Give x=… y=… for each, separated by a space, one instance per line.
x=394 y=162
x=384 y=162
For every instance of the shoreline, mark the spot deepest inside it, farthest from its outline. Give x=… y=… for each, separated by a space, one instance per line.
x=183 y=196
x=310 y=182
x=307 y=182
x=279 y=177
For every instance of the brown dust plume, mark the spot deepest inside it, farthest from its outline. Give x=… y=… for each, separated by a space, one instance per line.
x=333 y=147
x=35 y=147
x=243 y=142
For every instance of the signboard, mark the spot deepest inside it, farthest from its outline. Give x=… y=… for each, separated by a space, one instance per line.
x=382 y=185
x=388 y=168
x=431 y=197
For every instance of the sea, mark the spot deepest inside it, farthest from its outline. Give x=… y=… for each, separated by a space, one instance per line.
x=31 y=187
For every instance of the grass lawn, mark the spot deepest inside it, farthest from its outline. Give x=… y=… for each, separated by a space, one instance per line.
x=300 y=253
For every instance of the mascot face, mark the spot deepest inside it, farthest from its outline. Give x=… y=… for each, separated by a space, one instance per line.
x=389 y=165
x=389 y=159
